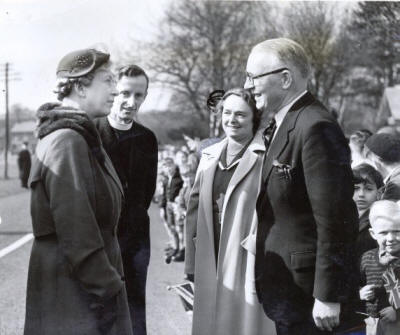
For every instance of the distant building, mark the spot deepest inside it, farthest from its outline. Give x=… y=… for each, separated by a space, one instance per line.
x=389 y=111
x=22 y=132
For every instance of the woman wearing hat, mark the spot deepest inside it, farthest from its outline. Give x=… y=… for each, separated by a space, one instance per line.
x=75 y=279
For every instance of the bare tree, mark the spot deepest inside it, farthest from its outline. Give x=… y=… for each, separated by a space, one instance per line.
x=376 y=32
x=319 y=28
x=203 y=45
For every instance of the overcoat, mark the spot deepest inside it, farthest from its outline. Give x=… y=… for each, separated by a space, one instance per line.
x=24 y=165
x=225 y=299
x=75 y=266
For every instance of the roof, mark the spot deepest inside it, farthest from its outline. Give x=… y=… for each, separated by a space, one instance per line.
x=393 y=98
x=23 y=127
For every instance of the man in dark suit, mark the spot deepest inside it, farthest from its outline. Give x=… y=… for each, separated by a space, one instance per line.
x=307 y=218
x=134 y=153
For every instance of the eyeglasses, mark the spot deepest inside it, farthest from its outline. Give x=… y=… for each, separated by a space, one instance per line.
x=251 y=78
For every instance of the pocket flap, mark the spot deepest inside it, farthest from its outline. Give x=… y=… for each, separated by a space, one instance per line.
x=303 y=259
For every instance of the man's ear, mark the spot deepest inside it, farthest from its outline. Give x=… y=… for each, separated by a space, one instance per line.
x=286 y=79
x=371 y=232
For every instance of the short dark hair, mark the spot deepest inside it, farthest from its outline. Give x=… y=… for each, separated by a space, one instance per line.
x=364 y=173
x=132 y=70
x=246 y=96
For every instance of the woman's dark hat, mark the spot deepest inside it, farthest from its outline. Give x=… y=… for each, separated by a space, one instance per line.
x=79 y=63
x=214 y=98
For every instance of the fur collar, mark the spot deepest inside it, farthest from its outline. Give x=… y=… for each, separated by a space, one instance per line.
x=54 y=116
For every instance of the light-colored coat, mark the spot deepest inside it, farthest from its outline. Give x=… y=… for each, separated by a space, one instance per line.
x=225 y=299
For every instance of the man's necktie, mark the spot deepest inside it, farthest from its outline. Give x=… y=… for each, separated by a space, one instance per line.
x=268 y=133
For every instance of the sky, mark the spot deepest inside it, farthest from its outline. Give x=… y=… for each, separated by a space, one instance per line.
x=36 y=34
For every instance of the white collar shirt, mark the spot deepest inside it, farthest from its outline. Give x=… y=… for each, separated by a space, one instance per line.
x=394 y=171
x=283 y=111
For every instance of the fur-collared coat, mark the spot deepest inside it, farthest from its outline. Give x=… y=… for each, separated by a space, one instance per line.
x=225 y=300
x=75 y=279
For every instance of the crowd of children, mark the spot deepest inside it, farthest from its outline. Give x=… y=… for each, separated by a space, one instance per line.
x=376 y=161
x=177 y=170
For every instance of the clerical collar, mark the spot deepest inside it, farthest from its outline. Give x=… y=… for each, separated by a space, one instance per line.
x=118 y=125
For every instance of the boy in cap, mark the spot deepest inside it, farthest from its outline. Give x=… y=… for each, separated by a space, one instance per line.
x=384 y=151
x=380 y=269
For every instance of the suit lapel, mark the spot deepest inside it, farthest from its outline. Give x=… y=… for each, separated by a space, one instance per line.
x=282 y=137
x=213 y=154
x=110 y=141
x=246 y=163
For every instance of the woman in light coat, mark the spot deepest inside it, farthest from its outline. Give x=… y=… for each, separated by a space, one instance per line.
x=221 y=226
x=75 y=279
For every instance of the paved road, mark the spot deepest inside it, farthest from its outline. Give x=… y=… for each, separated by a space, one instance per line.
x=166 y=315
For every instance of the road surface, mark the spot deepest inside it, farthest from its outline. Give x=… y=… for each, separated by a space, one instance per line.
x=165 y=313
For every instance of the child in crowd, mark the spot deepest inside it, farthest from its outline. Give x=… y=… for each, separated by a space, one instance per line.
x=367 y=182
x=356 y=143
x=380 y=270
x=172 y=187
x=180 y=209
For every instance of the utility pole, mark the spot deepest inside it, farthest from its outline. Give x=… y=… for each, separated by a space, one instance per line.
x=7 y=116
x=7 y=125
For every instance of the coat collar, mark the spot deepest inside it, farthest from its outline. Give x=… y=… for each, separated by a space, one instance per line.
x=212 y=154
x=113 y=174
x=282 y=137
x=109 y=140
x=364 y=221
x=393 y=174
x=246 y=164
x=215 y=150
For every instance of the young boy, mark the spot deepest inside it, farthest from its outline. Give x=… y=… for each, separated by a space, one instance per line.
x=367 y=182
x=381 y=296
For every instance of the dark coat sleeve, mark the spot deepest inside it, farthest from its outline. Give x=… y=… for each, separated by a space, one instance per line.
x=392 y=189
x=151 y=177
x=328 y=179
x=70 y=185
x=175 y=186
